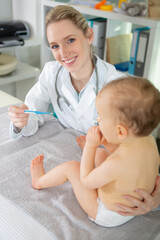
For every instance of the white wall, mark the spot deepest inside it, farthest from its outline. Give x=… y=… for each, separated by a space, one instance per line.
x=6 y=14
x=5 y=9
x=28 y=11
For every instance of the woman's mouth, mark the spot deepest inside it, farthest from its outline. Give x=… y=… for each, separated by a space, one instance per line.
x=70 y=61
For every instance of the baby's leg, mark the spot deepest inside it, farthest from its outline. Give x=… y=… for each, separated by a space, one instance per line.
x=86 y=197
x=40 y=179
x=37 y=170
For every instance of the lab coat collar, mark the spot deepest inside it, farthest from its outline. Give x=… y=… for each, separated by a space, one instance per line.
x=102 y=70
x=67 y=80
x=87 y=98
x=89 y=95
x=85 y=101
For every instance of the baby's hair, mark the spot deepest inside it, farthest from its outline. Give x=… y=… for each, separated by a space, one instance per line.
x=136 y=103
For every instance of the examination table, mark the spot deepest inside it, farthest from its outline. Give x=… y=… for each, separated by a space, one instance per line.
x=51 y=214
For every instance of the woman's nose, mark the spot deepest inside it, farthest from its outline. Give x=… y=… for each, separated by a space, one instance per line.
x=64 y=51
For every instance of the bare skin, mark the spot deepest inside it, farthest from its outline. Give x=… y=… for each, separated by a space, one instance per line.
x=71 y=44
x=37 y=170
x=85 y=179
x=150 y=201
x=81 y=140
x=17 y=115
x=86 y=197
x=101 y=153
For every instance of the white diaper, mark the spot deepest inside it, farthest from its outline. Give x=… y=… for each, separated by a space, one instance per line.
x=108 y=218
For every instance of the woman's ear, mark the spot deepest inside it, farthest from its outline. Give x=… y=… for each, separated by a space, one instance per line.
x=122 y=131
x=90 y=35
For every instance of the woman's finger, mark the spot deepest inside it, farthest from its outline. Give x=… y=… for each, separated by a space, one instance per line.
x=143 y=194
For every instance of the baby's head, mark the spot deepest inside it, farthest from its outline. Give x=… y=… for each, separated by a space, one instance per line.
x=130 y=102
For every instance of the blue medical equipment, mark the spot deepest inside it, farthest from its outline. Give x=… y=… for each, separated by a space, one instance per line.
x=39 y=112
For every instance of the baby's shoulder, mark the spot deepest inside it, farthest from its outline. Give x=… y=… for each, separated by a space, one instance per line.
x=146 y=148
x=149 y=142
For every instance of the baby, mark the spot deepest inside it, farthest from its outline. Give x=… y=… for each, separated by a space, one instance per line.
x=129 y=110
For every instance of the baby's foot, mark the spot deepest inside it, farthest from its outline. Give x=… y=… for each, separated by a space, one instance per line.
x=37 y=171
x=81 y=140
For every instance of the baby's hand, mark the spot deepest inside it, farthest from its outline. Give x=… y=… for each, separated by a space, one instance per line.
x=104 y=141
x=94 y=137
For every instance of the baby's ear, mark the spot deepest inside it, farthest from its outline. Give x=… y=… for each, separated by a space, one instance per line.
x=122 y=131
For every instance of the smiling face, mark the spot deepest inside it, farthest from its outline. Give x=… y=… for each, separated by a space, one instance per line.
x=69 y=45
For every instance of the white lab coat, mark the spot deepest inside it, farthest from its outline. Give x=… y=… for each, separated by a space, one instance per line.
x=81 y=114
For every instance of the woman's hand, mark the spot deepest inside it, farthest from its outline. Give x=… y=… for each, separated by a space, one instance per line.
x=17 y=115
x=94 y=137
x=150 y=201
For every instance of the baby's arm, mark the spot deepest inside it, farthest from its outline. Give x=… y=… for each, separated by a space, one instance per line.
x=93 y=140
x=90 y=176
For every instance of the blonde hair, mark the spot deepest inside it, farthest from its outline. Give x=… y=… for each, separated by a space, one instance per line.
x=136 y=103
x=63 y=12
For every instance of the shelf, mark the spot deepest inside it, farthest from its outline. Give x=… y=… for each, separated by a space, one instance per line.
x=144 y=21
x=23 y=72
x=117 y=24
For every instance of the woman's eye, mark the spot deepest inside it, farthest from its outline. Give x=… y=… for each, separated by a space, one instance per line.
x=54 y=46
x=71 y=40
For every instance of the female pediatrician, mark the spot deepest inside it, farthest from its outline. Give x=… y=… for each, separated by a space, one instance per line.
x=71 y=84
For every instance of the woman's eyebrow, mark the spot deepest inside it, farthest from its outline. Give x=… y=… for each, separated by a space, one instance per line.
x=71 y=35
x=52 y=43
x=68 y=36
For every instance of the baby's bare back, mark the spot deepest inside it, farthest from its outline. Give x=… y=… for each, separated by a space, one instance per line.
x=136 y=166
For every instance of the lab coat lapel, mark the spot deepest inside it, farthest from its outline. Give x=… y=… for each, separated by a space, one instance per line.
x=86 y=100
x=69 y=95
x=68 y=91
